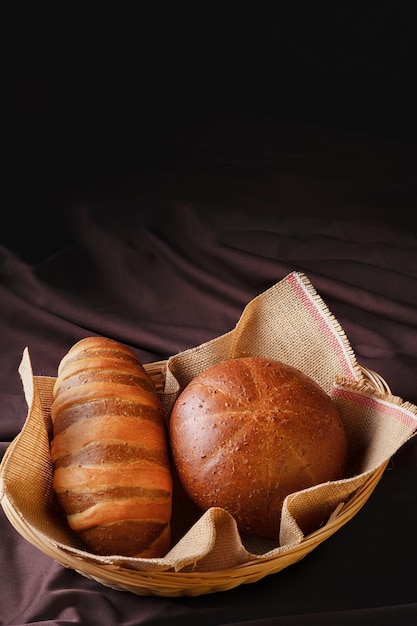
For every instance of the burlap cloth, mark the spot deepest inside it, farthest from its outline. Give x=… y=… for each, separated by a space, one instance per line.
x=288 y=322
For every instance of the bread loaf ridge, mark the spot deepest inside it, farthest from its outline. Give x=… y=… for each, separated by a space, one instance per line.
x=111 y=463
x=249 y=431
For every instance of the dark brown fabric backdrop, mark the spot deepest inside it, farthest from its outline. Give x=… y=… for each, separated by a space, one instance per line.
x=151 y=206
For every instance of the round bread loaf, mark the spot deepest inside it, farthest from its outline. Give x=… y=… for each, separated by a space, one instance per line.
x=247 y=432
x=111 y=463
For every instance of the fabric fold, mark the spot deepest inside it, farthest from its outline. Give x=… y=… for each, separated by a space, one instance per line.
x=288 y=322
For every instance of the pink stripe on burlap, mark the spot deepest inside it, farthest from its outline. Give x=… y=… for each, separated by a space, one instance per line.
x=398 y=412
x=320 y=314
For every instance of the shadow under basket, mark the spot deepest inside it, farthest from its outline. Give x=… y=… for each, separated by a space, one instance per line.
x=172 y=583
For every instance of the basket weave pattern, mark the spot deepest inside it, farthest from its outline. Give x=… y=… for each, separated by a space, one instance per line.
x=289 y=322
x=168 y=583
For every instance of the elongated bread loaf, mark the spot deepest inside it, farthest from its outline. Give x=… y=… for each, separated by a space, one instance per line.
x=249 y=431
x=112 y=472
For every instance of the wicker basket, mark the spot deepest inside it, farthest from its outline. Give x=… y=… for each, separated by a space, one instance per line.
x=169 y=583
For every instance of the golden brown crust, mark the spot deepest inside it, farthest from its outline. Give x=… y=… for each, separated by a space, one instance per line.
x=143 y=538
x=112 y=473
x=247 y=432
x=96 y=347
x=98 y=369
x=101 y=407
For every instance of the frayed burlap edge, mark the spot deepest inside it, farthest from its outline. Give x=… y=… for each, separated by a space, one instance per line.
x=286 y=322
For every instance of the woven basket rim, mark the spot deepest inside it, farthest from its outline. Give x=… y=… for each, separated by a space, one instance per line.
x=170 y=583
